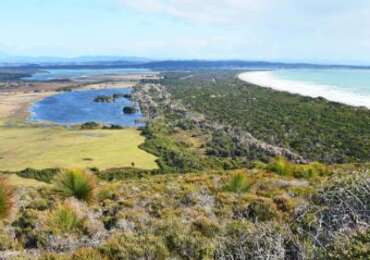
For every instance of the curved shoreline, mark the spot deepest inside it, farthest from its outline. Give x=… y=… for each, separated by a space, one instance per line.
x=268 y=80
x=16 y=102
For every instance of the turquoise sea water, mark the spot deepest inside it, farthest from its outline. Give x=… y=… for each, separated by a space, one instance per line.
x=351 y=80
x=78 y=107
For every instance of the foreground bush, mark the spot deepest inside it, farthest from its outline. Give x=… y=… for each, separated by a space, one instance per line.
x=341 y=206
x=128 y=246
x=76 y=183
x=354 y=246
x=81 y=254
x=6 y=198
x=261 y=241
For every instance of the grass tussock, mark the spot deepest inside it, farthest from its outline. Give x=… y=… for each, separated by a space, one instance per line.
x=76 y=183
x=238 y=183
x=6 y=198
x=64 y=219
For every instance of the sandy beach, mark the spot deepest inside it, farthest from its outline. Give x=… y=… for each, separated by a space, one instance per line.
x=15 y=104
x=269 y=80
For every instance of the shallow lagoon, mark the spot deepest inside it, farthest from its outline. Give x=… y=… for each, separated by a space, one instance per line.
x=78 y=107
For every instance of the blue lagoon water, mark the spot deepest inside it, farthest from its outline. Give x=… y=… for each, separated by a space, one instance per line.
x=78 y=107
x=349 y=86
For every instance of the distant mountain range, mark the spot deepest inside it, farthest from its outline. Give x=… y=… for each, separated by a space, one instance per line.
x=109 y=62
x=7 y=60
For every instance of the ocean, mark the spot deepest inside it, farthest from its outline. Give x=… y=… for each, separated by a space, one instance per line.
x=348 y=86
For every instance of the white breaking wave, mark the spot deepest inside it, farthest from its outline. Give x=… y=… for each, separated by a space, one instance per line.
x=268 y=79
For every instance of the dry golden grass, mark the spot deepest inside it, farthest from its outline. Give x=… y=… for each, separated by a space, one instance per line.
x=47 y=147
x=17 y=181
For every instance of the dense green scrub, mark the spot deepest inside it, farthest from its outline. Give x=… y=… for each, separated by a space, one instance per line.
x=177 y=155
x=315 y=128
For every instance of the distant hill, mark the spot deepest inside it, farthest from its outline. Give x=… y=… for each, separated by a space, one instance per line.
x=22 y=61
x=108 y=62
x=234 y=64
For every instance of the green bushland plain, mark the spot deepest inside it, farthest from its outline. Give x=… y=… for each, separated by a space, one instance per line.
x=314 y=128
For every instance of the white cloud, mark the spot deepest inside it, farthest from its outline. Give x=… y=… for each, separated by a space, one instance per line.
x=207 y=11
x=232 y=12
x=266 y=29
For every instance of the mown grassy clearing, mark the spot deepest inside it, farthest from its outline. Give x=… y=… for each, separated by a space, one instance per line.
x=49 y=147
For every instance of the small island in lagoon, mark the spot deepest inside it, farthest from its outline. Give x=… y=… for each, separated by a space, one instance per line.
x=112 y=98
x=103 y=99
x=129 y=110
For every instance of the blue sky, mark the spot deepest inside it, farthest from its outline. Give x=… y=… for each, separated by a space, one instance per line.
x=327 y=31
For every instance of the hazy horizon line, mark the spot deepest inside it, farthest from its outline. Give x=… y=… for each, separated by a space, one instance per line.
x=7 y=58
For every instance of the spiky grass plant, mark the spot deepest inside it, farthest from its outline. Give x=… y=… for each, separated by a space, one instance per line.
x=238 y=184
x=6 y=198
x=76 y=183
x=64 y=219
x=281 y=166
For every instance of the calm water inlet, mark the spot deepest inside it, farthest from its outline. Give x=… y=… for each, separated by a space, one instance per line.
x=78 y=107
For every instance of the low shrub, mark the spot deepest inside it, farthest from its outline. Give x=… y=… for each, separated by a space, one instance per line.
x=260 y=241
x=90 y=125
x=45 y=175
x=6 y=198
x=6 y=241
x=26 y=232
x=206 y=227
x=354 y=246
x=38 y=204
x=129 y=246
x=340 y=206
x=284 y=203
x=116 y=174
x=261 y=210
x=88 y=254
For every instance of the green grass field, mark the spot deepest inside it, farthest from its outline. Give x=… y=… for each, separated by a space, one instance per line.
x=47 y=147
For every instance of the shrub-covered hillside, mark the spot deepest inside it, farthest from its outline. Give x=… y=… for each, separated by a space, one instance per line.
x=274 y=211
x=243 y=173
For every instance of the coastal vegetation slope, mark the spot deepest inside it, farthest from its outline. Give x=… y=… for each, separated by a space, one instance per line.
x=229 y=184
